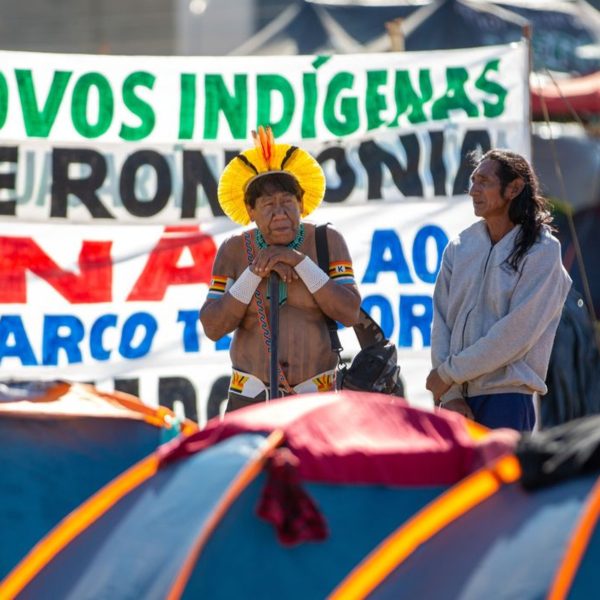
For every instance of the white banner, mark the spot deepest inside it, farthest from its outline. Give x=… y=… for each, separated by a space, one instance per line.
x=79 y=98
x=394 y=126
x=125 y=183
x=97 y=303
x=87 y=143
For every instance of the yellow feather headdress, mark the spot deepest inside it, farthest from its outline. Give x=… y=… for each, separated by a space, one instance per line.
x=266 y=157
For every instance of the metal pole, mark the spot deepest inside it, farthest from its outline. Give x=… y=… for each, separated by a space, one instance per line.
x=527 y=31
x=274 y=322
x=396 y=35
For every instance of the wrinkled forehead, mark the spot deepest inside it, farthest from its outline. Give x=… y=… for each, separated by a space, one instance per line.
x=277 y=197
x=486 y=168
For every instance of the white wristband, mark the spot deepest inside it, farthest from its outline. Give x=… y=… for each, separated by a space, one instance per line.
x=245 y=285
x=312 y=275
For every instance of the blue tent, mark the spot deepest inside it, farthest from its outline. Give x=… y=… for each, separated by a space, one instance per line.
x=565 y=33
x=331 y=495
x=60 y=444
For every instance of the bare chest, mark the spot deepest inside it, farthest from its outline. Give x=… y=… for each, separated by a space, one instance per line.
x=292 y=295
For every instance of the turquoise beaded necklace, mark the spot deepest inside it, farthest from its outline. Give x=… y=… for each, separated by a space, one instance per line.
x=293 y=245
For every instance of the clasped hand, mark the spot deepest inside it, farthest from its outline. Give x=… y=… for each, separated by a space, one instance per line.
x=436 y=385
x=279 y=259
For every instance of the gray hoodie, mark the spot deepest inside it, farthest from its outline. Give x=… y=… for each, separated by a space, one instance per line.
x=493 y=328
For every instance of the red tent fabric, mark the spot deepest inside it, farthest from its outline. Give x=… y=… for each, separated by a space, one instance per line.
x=357 y=437
x=581 y=94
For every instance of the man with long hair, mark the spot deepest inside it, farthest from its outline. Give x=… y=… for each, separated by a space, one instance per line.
x=498 y=299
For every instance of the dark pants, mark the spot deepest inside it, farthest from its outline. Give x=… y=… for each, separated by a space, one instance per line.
x=236 y=401
x=504 y=410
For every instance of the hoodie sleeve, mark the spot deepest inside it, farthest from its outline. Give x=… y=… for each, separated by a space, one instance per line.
x=536 y=303
x=440 y=331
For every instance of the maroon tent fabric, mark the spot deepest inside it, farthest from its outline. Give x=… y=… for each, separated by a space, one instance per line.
x=358 y=437
x=579 y=94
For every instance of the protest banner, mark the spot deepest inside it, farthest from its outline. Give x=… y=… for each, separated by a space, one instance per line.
x=109 y=220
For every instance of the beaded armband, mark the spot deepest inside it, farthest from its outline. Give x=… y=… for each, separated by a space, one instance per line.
x=218 y=286
x=341 y=272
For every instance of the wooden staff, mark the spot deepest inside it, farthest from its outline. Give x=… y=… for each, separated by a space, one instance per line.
x=274 y=322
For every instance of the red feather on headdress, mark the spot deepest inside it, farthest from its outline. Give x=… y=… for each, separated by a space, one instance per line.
x=265 y=142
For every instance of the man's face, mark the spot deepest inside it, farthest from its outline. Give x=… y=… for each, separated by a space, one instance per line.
x=277 y=216
x=488 y=201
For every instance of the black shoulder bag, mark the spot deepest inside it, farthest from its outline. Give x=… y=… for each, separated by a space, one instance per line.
x=375 y=368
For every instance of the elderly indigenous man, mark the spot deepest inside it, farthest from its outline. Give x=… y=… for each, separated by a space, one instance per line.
x=498 y=300
x=274 y=186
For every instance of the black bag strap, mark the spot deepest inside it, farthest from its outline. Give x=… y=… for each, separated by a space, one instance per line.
x=367 y=329
x=323 y=260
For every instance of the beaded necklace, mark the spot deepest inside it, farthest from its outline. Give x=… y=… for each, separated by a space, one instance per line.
x=294 y=245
